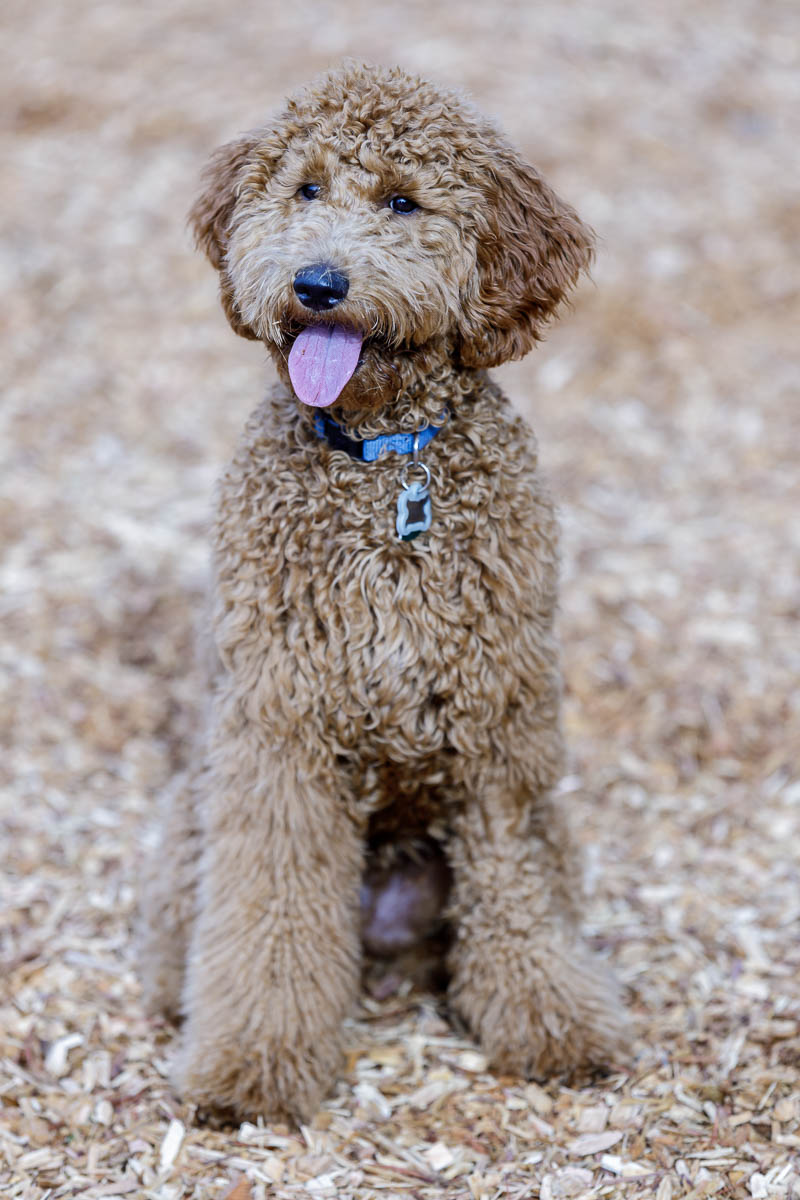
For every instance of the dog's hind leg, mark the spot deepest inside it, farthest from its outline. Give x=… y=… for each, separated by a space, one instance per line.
x=168 y=897
x=274 y=958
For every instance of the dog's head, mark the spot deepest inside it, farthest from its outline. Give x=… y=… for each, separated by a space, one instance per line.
x=378 y=218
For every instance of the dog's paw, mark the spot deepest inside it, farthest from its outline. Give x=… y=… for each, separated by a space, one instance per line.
x=224 y=1077
x=162 y=983
x=544 y=1018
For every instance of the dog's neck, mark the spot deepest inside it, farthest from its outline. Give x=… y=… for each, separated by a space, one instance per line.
x=428 y=398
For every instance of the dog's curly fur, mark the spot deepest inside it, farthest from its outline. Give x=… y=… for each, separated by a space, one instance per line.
x=367 y=683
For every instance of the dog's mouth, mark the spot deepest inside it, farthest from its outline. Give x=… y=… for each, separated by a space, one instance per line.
x=322 y=361
x=322 y=357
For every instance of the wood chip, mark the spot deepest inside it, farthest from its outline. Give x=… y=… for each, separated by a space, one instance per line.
x=170 y=1147
x=56 y=1059
x=440 y=1156
x=593 y=1143
x=241 y=1190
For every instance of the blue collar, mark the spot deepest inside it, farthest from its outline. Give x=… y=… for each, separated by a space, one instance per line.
x=368 y=449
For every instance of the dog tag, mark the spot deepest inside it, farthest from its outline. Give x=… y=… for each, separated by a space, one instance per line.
x=413 y=511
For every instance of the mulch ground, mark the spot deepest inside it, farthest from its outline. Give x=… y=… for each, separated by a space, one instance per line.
x=667 y=408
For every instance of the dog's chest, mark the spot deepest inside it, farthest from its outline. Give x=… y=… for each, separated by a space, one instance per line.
x=397 y=651
x=410 y=645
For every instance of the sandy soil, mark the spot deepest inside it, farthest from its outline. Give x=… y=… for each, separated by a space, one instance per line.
x=667 y=407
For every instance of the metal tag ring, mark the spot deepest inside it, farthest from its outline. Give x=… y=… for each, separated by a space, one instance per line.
x=422 y=466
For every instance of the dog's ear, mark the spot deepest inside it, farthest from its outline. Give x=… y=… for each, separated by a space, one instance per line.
x=532 y=247
x=211 y=214
x=212 y=211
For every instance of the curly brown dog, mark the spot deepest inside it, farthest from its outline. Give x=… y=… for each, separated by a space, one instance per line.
x=384 y=732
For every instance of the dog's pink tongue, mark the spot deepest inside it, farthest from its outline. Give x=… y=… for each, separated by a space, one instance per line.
x=321 y=361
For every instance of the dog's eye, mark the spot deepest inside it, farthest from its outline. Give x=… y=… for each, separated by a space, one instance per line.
x=310 y=191
x=402 y=204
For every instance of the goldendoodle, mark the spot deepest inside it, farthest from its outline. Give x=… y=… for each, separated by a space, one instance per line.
x=383 y=736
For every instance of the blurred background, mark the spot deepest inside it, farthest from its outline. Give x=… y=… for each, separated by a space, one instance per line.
x=666 y=405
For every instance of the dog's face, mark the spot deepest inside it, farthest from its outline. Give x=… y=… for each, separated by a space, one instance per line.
x=377 y=223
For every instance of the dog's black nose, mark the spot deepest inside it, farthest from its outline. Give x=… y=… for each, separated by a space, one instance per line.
x=320 y=287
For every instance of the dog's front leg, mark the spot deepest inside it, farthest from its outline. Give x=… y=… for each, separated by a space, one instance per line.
x=273 y=964
x=521 y=979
